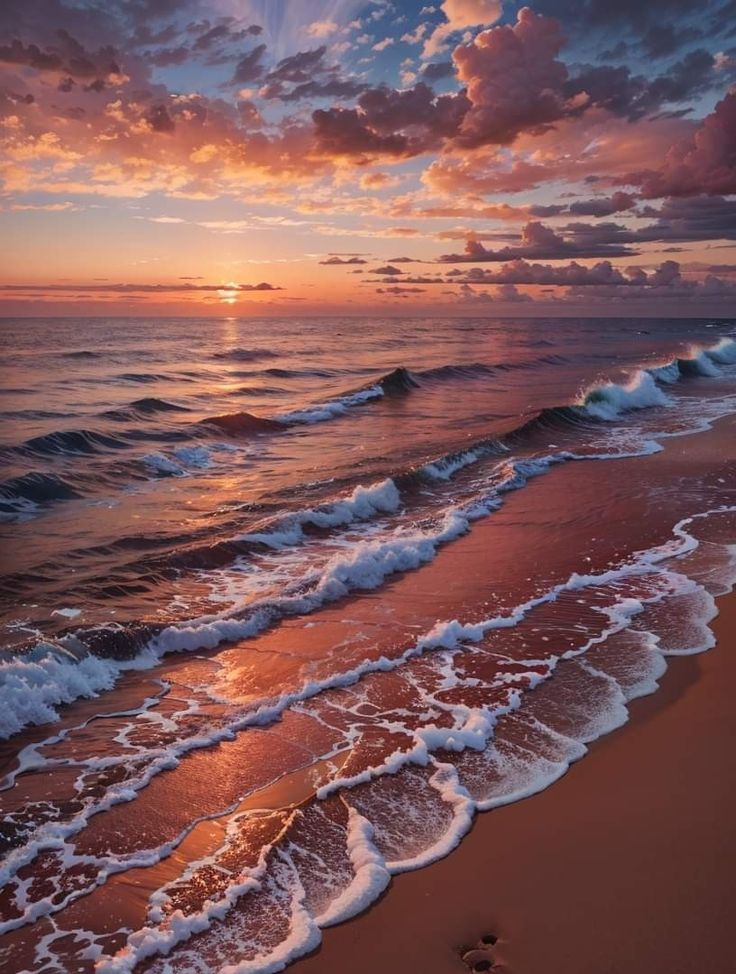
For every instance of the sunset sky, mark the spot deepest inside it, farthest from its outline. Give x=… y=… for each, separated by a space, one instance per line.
x=279 y=157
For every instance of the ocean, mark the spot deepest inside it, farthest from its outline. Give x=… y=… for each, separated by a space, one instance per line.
x=286 y=602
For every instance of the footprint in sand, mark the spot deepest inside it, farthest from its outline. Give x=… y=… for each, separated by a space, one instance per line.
x=480 y=957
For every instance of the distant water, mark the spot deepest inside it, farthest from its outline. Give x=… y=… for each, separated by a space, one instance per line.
x=285 y=601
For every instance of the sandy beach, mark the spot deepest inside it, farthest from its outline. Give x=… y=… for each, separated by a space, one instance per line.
x=623 y=865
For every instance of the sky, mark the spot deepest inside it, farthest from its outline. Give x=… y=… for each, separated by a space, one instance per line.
x=363 y=157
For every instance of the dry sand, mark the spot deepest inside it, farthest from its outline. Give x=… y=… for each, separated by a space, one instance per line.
x=627 y=864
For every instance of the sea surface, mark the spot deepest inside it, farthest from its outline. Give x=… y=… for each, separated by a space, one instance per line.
x=285 y=602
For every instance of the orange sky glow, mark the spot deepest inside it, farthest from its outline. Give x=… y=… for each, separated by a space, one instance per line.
x=349 y=157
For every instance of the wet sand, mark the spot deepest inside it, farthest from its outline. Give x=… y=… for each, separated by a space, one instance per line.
x=625 y=865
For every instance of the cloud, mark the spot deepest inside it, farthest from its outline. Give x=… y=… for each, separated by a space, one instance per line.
x=249 y=68
x=388 y=270
x=67 y=56
x=47 y=207
x=540 y=241
x=634 y=96
x=514 y=81
x=522 y=272
x=399 y=290
x=335 y=260
x=378 y=180
x=691 y=218
x=504 y=293
x=322 y=28
x=437 y=70
x=705 y=163
x=661 y=40
x=415 y=36
x=390 y=122
x=307 y=75
x=603 y=206
x=458 y=15
x=299 y=67
x=602 y=281
x=159 y=119
x=594 y=145
x=138 y=288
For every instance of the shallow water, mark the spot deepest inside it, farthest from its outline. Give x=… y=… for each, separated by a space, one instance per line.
x=286 y=602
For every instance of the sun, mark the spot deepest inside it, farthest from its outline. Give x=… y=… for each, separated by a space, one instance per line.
x=228 y=294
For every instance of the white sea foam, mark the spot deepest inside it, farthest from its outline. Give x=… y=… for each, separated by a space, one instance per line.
x=723 y=351
x=332 y=408
x=371 y=875
x=609 y=400
x=361 y=505
x=182 y=459
x=160 y=463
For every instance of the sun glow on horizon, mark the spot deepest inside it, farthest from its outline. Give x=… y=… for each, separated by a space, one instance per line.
x=367 y=156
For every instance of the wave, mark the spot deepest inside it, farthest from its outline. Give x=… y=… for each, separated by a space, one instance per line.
x=397 y=382
x=37 y=487
x=180 y=462
x=67 y=442
x=141 y=408
x=610 y=399
x=724 y=351
x=21 y=496
x=246 y=354
x=35 y=414
x=280 y=373
x=604 y=401
x=82 y=353
x=700 y=362
x=141 y=377
x=244 y=424
x=470 y=371
x=362 y=504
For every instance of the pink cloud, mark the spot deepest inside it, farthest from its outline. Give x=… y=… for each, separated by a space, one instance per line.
x=540 y=241
x=704 y=163
x=514 y=80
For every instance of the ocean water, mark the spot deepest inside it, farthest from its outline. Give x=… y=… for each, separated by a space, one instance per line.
x=286 y=602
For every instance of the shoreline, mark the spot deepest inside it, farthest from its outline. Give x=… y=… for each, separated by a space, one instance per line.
x=624 y=864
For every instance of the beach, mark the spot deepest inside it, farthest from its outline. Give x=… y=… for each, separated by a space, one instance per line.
x=623 y=865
